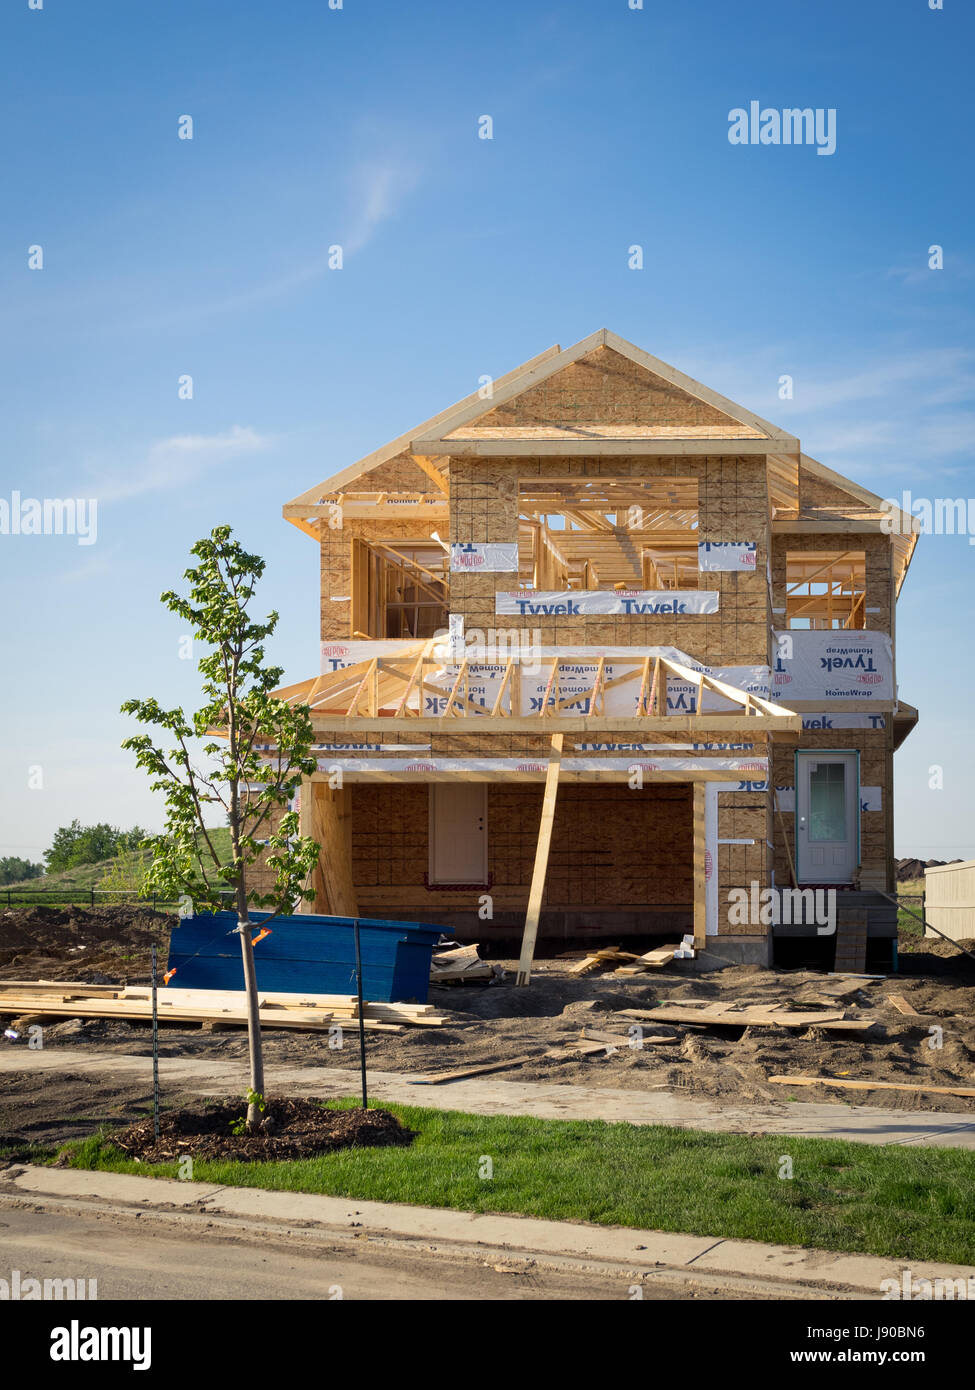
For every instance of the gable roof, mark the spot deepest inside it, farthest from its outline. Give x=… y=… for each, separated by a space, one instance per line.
x=564 y=401
x=720 y=419
x=657 y=403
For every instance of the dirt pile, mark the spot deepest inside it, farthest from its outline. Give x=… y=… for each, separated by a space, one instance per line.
x=69 y=943
x=290 y=1129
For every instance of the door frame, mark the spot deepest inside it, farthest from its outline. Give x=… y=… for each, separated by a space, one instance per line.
x=824 y=753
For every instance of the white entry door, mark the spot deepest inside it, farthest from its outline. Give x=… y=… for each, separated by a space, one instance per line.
x=827 y=817
x=458 y=832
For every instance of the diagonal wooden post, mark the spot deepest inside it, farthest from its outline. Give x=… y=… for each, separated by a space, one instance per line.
x=541 y=863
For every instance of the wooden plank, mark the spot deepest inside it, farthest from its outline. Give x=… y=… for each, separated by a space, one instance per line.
x=461 y=1073
x=650 y=446
x=541 y=863
x=902 y=1006
x=700 y=878
x=338 y=721
x=726 y=1017
x=871 y=1085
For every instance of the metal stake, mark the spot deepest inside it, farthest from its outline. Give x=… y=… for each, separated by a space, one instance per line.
x=155 y=1050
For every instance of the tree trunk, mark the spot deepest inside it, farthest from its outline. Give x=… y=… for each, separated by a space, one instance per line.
x=255 y=1052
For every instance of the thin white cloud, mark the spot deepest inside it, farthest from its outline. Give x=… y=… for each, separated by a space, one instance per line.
x=174 y=461
x=377 y=190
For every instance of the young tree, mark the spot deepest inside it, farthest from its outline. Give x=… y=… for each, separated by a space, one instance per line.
x=251 y=772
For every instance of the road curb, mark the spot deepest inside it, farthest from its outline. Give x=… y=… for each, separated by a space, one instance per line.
x=517 y=1238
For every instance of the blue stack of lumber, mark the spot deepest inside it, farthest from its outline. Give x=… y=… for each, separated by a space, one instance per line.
x=307 y=954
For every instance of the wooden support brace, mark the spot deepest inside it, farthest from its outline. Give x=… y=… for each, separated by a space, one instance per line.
x=541 y=863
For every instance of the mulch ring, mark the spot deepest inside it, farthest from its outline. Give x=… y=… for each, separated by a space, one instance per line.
x=291 y=1129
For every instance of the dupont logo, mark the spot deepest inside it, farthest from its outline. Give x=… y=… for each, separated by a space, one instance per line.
x=530 y=767
x=648 y=767
x=335 y=651
x=869 y=680
x=749 y=767
x=468 y=562
x=421 y=767
x=708 y=864
x=781 y=678
x=747 y=557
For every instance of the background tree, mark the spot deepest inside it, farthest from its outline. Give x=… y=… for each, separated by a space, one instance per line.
x=251 y=773
x=77 y=844
x=14 y=870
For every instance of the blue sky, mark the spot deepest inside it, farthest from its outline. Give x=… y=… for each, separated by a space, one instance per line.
x=462 y=257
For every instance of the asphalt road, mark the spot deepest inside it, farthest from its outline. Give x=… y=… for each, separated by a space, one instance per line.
x=135 y=1258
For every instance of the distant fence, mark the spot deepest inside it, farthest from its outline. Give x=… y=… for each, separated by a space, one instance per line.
x=88 y=897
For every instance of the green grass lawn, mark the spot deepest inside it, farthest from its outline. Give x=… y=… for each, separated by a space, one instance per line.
x=909 y=1203
x=913 y=891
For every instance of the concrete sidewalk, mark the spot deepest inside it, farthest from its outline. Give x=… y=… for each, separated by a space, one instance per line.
x=495 y=1095
x=750 y=1268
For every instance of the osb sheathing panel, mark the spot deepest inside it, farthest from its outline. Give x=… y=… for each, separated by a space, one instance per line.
x=877 y=559
x=260 y=878
x=605 y=387
x=336 y=568
x=742 y=816
x=816 y=493
x=876 y=770
x=399 y=474
x=611 y=847
x=732 y=506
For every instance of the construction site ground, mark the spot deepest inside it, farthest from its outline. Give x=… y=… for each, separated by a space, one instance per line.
x=499 y=1022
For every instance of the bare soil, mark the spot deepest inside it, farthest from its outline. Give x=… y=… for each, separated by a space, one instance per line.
x=497 y=1021
x=289 y=1129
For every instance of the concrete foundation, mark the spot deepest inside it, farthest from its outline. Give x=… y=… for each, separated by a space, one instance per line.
x=722 y=951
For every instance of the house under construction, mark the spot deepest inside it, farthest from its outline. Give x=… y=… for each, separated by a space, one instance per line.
x=598 y=648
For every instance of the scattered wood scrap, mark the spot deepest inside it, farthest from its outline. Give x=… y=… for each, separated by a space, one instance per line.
x=742 y=1016
x=624 y=1040
x=633 y=964
x=902 y=1006
x=59 y=999
x=650 y=960
x=484 y=1068
x=872 y=1085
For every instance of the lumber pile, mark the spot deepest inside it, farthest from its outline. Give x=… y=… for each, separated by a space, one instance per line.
x=60 y=999
x=650 y=960
x=633 y=964
x=461 y=965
